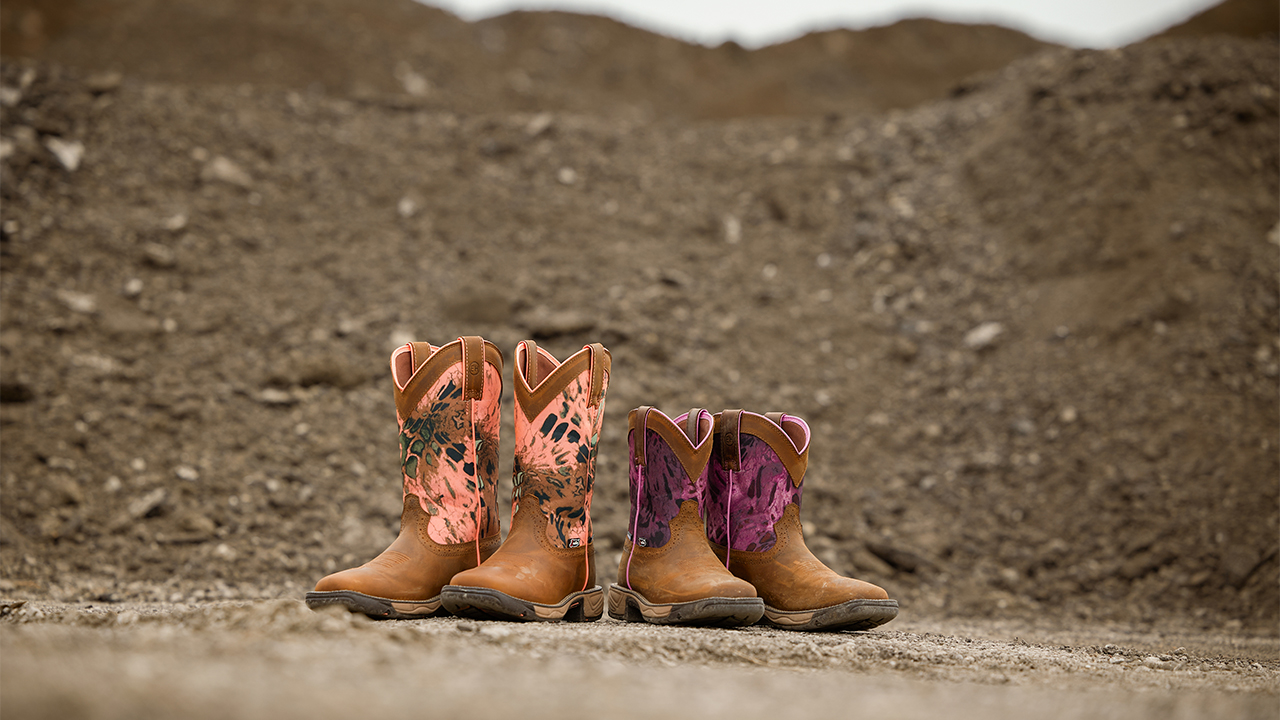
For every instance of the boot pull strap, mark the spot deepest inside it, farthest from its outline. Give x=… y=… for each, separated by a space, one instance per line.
x=775 y=418
x=641 y=433
x=419 y=352
x=692 y=424
x=599 y=363
x=472 y=367
x=531 y=363
x=730 y=426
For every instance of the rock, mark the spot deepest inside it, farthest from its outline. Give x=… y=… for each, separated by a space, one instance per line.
x=224 y=170
x=132 y=287
x=983 y=336
x=481 y=304
x=198 y=524
x=186 y=472
x=539 y=124
x=83 y=303
x=413 y=82
x=175 y=223
x=157 y=255
x=567 y=176
x=732 y=230
x=68 y=152
x=103 y=82
x=276 y=396
x=899 y=558
x=545 y=324
x=904 y=349
x=147 y=505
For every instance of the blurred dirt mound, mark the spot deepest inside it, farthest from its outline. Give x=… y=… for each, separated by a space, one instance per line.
x=1241 y=18
x=1033 y=325
x=519 y=61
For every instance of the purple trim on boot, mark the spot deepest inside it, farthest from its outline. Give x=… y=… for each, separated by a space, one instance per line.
x=746 y=512
x=665 y=486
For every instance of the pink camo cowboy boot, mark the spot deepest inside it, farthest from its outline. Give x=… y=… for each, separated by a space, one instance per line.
x=447 y=406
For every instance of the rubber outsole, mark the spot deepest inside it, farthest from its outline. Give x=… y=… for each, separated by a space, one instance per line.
x=851 y=615
x=630 y=606
x=480 y=603
x=376 y=607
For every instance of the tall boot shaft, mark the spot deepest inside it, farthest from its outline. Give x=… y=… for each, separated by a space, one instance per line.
x=559 y=415
x=448 y=411
x=757 y=471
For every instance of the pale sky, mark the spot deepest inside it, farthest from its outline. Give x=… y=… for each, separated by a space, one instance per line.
x=753 y=23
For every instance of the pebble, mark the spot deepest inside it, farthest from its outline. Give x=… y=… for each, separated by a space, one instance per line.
x=83 y=303
x=276 y=396
x=141 y=506
x=103 y=82
x=186 y=472
x=983 y=336
x=157 y=255
x=539 y=124
x=68 y=152
x=732 y=230
x=224 y=170
x=406 y=208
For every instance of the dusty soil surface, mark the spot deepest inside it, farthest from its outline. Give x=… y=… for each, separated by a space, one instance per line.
x=276 y=659
x=1032 y=320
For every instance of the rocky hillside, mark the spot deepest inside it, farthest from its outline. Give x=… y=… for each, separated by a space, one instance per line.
x=1033 y=323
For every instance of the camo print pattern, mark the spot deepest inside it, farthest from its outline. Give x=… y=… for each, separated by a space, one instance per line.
x=746 y=512
x=555 y=461
x=438 y=462
x=666 y=485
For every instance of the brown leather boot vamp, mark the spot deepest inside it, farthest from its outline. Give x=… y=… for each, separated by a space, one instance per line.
x=405 y=580
x=802 y=593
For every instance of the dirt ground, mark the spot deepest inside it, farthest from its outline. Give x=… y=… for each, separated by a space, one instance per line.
x=277 y=659
x=1031 y=315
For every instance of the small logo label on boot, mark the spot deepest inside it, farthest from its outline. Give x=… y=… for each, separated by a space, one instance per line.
x=575 y=542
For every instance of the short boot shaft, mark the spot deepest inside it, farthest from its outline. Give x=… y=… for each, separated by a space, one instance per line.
x=667 y=468
x=667 y=573
x=447 y=410
x=545 y=570
x=754 y=489
x=757 y=470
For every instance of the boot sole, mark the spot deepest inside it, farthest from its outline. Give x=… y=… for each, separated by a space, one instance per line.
x=851 y=615
x=375 y=607
x=480 y=603
x=631 y=606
